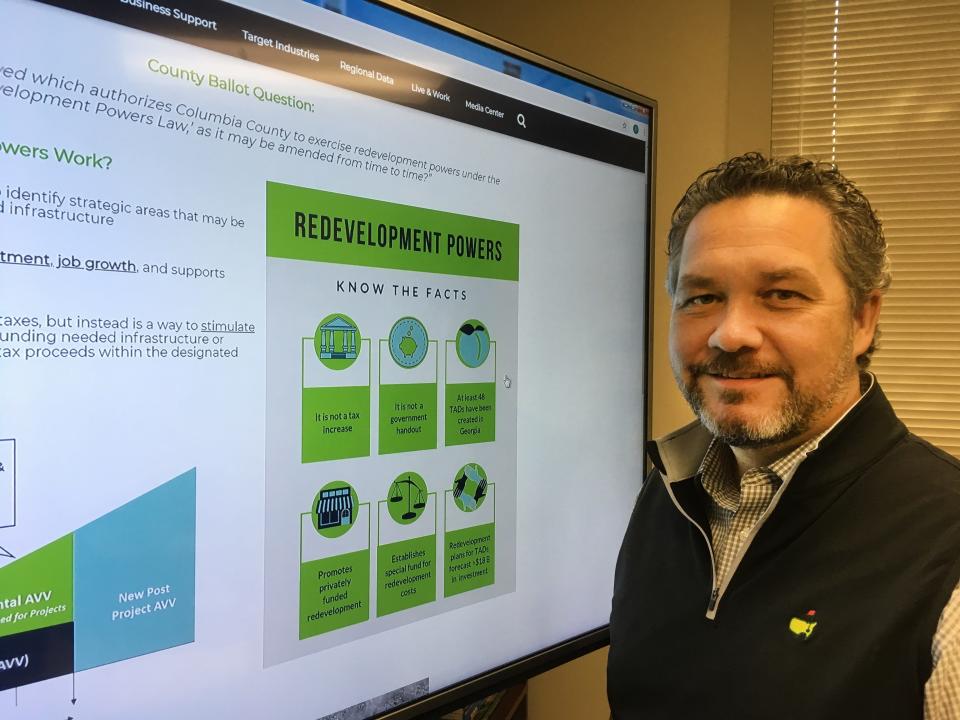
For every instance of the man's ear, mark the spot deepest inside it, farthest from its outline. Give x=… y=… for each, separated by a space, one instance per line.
x=865 y=320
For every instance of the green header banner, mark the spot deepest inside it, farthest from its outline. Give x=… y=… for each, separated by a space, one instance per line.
x=308 y=224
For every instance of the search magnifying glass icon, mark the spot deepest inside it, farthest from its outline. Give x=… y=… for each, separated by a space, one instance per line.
x=521 y=121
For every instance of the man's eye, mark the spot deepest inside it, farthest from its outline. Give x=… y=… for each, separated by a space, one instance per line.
x=785 y=295
x=699 y=300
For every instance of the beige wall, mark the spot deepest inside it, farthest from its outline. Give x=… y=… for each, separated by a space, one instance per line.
x=707 y=63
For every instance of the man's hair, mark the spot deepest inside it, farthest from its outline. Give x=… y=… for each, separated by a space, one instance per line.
x=860 y=248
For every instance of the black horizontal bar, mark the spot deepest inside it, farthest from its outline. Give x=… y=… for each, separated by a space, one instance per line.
x=229 y=29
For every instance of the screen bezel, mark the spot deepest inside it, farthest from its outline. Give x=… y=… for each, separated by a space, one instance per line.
x=502 y=676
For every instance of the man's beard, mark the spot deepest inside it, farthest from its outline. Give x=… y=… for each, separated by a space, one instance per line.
x=790 y=420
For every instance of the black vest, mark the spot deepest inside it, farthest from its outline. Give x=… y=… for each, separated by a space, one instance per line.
x=865 y=543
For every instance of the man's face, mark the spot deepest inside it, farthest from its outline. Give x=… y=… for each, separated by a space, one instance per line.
x=763 y=340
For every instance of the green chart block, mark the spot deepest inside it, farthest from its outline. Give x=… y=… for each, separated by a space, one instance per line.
x=468 y=559
x=471 y=413
x=36 y=591
x=408 y=417
x=406 y=574
x=334 y=593
x=336 y=423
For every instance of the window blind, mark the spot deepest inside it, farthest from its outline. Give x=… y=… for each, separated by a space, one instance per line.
x=874 y=86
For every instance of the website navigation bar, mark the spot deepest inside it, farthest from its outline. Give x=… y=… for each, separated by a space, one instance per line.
x=242 y=33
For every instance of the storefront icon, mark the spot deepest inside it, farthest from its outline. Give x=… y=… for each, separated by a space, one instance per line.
x=334 y=508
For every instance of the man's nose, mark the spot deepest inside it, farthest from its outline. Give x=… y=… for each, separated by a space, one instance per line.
x=737 y=329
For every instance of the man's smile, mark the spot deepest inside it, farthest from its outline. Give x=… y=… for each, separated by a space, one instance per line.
x=738 y=381
x=729 y=373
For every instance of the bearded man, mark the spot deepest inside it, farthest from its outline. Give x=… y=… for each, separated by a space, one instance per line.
x=795 y=552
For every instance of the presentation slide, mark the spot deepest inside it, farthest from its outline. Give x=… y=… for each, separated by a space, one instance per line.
x=321 y=361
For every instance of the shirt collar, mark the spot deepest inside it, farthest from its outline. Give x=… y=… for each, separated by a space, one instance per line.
x=718 y=471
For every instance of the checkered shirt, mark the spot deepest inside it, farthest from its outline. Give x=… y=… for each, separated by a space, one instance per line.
x=737 y=510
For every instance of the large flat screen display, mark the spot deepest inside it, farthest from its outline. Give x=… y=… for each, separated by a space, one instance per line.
x=322 y=356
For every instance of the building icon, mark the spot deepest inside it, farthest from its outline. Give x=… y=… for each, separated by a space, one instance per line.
x=334 y=508
x=338 y=339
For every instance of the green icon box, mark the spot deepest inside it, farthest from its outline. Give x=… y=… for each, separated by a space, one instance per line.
x=470 y=487
x=408 y=418
x=473 y=343
x=468 y=559
x=335 y=509
x=408 y=342
x=408 y=498
x=334 y=593
x=470 y=413
x=406 y=574
x=337 y=341
x=336 y=423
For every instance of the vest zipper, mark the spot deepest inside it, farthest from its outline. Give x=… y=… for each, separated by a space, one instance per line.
x=715 y=591
x=714 y=596
x=744 y=546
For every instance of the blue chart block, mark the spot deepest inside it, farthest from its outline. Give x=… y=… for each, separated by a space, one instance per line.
x=134 y=570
